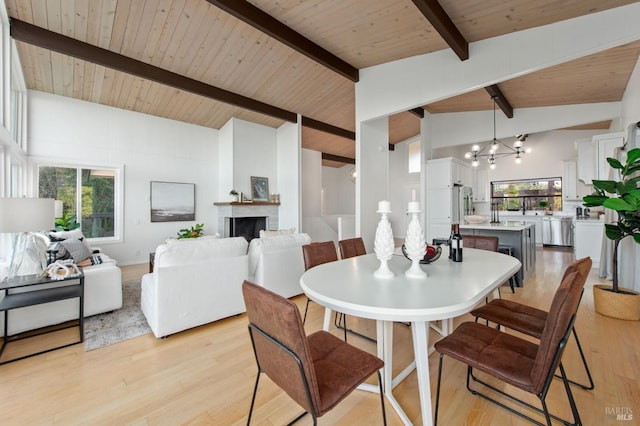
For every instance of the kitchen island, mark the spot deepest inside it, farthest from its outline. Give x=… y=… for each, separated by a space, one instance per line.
x=519 y=236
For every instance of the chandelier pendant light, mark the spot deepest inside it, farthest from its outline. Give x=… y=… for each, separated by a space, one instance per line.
x=495 y=148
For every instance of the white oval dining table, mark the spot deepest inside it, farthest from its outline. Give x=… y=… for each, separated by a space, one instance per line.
x=450 y=289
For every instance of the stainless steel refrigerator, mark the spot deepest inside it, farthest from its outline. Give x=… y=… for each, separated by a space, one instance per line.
x=462 y=203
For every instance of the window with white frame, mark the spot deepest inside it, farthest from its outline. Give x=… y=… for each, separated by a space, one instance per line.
x=91 y=194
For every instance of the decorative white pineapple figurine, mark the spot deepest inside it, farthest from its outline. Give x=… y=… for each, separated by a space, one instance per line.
x=414 y=243
x=383 y=242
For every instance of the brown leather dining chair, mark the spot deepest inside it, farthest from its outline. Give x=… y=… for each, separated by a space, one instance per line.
x=316 y=371
x=531 y=321
x=516 y=361
x=489 y=243
x=316 y=254
x=351 y=247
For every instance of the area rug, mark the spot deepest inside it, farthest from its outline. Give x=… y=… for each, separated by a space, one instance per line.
x=122 y=324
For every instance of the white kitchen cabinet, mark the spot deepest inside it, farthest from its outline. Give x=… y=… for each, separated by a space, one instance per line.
x=587 y=160
x=606 y=146
x=570 y=181
x=480 y=185
x=462 y=174
x=593 y=154
x=439 y=213
x=447 y=172
x=588 y=235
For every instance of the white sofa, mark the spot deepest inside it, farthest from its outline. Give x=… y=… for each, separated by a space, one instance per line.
x=277 y=264
x=102 y=293
x=194 y=282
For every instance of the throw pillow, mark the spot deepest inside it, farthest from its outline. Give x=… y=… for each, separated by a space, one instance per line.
x=78 y=249
x=264 y=233
x=64 y=235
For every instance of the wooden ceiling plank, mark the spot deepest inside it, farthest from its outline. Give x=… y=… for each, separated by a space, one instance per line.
x=166 y=34
x=139 y=25
x=38 y=36
x=264 y=22
x=436 y=15
x=501 y=100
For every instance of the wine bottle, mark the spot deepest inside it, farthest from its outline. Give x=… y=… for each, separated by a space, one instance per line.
x=450 y=241
x=456 y=244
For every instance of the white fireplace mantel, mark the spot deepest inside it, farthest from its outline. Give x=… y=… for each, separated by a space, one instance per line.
x=257 y=208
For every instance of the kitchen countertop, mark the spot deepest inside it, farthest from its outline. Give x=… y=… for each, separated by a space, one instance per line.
x=503 y=226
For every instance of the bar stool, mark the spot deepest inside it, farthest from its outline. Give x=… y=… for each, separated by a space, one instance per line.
x=508 y=250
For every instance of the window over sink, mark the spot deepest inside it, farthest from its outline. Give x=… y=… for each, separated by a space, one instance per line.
x=529 y=194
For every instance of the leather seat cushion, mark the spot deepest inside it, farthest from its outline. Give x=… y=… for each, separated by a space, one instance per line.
x=339 y=367
x=513 y=315
x=500 y=354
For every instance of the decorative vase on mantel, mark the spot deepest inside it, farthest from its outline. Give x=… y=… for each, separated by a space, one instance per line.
x=383 y=243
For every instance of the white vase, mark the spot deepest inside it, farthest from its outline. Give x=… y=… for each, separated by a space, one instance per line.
x=415 y=247
x=383 y=246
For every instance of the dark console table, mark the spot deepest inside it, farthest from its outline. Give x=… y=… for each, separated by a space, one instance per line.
x=15 y=300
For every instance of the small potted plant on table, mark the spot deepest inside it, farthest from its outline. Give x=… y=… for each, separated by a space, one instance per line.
x=616 y=301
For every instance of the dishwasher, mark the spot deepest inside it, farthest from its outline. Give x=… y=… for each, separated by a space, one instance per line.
x=557 y=231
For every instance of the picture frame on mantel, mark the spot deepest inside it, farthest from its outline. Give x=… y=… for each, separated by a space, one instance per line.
x=259 y=188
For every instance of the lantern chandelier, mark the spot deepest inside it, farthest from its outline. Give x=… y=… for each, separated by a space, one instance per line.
x=496 y=148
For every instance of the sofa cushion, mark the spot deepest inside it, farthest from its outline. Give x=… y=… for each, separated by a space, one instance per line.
x=197 y=250
x=274 y=243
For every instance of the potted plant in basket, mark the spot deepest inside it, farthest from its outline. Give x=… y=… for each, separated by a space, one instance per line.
x=616 y=301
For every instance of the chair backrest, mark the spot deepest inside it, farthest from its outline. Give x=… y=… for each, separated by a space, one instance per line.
x=582 y=266
x=351 y=247
x=276 y=327
x=556 y=330
x=481 y=242
x=318 y=253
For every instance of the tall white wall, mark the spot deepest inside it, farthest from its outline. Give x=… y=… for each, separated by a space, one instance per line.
x=339 y=190
x=150 y=149
x=289 y=172
x=255 y=153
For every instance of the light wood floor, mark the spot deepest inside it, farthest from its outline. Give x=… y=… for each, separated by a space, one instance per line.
x=206 y=375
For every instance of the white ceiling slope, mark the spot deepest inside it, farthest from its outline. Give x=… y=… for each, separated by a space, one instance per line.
x=457 y=128
x=398 y=86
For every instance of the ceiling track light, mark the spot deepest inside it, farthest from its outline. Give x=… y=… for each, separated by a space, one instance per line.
x=496 y=148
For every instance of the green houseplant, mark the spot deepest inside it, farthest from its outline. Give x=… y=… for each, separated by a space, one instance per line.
x=234 y=195
x=193 y=232
x=625 y=200
x=67 y=222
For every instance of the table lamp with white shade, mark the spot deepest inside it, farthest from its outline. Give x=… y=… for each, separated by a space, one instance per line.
x=23 y=217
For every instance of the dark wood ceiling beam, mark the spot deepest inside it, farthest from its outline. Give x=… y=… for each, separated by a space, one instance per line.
x=419 y=112
x=250 y=14
x=337 y=158
x=501 y=100
x=328 y=128
x=50 y=40
x=436 y=15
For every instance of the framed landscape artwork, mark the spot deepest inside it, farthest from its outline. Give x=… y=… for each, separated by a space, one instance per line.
x=259 y=188
x=173 y=201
